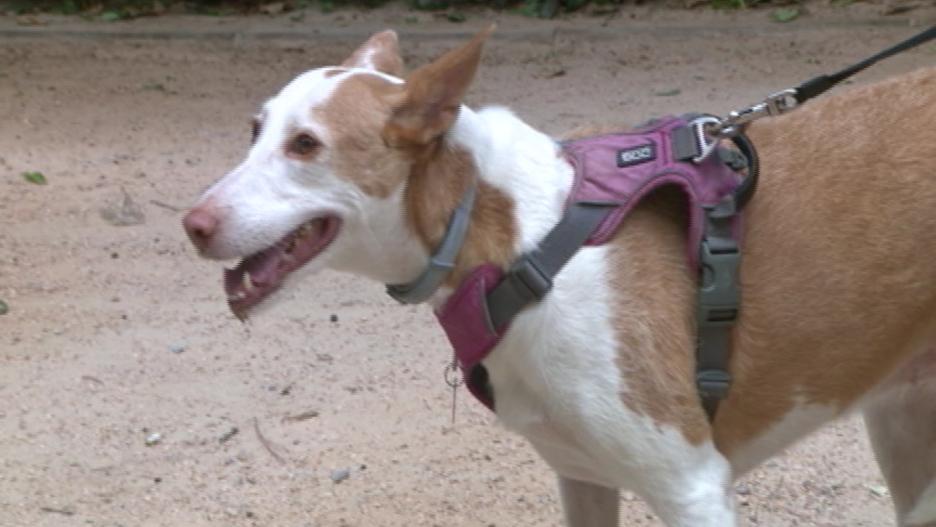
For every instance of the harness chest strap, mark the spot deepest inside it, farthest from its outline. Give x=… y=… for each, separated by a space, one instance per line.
x=608 y=184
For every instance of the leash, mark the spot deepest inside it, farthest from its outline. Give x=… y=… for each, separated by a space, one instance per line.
x=792 y=98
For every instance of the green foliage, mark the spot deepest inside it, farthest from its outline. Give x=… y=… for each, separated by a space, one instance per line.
x=36 y=178
x=729 y=4
x=785 y=14
x=111 y=16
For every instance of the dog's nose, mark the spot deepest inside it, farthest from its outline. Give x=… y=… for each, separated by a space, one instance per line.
x=200 y=225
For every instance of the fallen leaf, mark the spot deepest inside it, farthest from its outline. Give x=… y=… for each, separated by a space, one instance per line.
x=36 y=178
x=4 y=308
x=123 y=213
x=668 y=93
x=111 y=16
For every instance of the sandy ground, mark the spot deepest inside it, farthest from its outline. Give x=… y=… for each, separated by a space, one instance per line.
x=117 y=332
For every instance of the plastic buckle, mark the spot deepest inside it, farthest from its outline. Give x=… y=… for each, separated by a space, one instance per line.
x=719 y=296
x=720 y=258
x=528 y=279
x=713 y=383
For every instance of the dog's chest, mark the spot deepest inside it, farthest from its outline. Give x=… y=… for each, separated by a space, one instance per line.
x=556 y=379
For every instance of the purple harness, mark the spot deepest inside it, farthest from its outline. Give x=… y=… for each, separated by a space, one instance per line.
x=613 y=173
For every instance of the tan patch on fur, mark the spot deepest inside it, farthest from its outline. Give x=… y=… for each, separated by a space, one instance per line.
x=590 y=130
x=838 y=276
x=331 y=72
x=654 y=309
x=436 y=185
x=654 y=315
x=354 y=116
x=436 y=176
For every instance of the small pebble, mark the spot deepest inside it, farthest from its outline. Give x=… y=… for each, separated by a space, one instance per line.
x=177 y=348
x=339 y=475
x=878 y=490
x=742 y=489
x=333 y=317
x=153 y=438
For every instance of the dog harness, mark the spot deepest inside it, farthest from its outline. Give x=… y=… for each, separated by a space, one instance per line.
x=613 y=173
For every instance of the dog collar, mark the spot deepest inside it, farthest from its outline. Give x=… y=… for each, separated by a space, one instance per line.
x=443 y=260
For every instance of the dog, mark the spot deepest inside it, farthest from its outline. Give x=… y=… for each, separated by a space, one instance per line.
x=354 y=168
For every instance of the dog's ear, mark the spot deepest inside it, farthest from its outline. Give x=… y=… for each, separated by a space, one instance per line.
x=381 y=52
x=433 y=94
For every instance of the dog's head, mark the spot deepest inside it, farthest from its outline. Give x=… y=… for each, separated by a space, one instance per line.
x=321 y=185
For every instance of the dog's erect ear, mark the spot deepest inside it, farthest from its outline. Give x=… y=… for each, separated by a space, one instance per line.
x=381 y=52
x=433 y=94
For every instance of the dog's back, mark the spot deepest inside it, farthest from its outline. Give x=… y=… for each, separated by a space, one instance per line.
x=838 y=277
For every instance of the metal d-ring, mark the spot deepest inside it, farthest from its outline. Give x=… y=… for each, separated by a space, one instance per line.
x=706 y=142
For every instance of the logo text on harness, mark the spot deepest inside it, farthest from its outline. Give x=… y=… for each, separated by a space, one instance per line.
x=636 y=155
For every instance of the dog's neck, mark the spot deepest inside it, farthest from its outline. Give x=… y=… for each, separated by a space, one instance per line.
x=522 y=180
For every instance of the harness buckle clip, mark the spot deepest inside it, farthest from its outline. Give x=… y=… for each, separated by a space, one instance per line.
x=713 y=383
x=528 y=279
x=719 y=296
x=720 y=258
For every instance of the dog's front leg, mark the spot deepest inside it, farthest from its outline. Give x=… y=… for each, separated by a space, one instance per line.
x=587 y=504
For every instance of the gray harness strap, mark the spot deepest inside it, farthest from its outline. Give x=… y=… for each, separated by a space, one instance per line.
x=530 y=277
x=718 y=303
x=443 y=260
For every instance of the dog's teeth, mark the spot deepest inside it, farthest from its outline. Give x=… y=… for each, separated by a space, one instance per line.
x=306 y=229
x=240 y=295
x=248 y=284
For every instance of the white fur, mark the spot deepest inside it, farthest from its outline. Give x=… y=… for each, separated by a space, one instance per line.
x=800 y=420
x=269 y=194
x=554 y=374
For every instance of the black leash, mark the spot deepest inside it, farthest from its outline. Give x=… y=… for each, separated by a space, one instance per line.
x=823 y=83
x=786 y=100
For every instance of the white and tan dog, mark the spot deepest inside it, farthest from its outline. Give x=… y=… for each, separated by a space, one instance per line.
x=355 y=169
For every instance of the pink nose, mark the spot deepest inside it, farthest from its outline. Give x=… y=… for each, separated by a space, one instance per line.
x=201 y=225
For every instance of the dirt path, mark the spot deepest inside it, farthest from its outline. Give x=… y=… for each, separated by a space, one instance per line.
x=115 y=333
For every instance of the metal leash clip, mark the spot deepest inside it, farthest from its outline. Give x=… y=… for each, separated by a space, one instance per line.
x=775 y=104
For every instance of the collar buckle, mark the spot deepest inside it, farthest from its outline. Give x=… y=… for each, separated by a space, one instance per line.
x=528 y=278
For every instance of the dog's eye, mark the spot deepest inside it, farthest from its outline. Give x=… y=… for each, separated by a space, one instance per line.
x=303 y=145
x=254 y=130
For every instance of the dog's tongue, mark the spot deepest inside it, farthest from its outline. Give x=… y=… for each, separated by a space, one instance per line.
x=262 y=273
x=254 y=279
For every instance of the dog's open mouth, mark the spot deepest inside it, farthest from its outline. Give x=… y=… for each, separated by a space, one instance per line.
x=262 y=273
